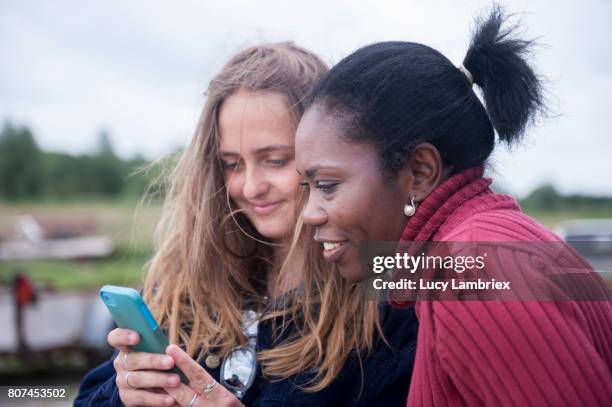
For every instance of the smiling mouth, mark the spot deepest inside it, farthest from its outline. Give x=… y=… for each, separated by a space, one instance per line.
x=333 y=250
x=266 y=209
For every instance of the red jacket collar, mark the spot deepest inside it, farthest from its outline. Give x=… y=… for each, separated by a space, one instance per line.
x=452 y=201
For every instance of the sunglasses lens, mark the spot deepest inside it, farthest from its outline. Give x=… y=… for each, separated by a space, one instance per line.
x=239 y=367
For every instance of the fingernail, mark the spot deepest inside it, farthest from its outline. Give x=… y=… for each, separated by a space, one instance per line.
x=132 y=338
x=173 y=381
x=169 y=401
x=166 y=361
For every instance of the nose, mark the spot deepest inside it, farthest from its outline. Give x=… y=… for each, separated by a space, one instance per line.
x=314 y=214
x=255 y=183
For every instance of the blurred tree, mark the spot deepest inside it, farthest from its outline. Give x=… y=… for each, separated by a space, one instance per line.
x=544 y=197
x=21 y=164
x=66 y=176
x=26 y=172
x=137 y=177
x=107 y=170
x=547 y=198
x=105 y=145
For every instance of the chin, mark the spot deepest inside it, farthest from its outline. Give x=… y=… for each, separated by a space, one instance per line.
x=274 y=233
x=351 y=273
x=274 y=228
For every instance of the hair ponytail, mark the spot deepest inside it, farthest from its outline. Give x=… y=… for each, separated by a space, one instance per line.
x=400 y=94
x=511 y=89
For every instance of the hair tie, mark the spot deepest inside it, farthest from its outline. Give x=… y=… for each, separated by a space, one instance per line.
x=467 y=74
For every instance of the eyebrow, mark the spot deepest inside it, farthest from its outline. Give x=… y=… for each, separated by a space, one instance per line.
x=273 y=147
x=266 y=149
x=309 y=173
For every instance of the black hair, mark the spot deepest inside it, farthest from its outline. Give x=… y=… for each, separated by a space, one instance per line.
x=400 y=94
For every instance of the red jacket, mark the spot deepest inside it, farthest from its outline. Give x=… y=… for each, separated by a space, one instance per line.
x=503 y=352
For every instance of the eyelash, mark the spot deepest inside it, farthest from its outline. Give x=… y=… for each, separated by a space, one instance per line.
x=326 y=188
x=231 y=166
x=236 y=165
x=274 y=163
x=277 y=163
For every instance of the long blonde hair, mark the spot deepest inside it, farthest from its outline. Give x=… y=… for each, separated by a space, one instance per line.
x=331 y=316
x=209 y=259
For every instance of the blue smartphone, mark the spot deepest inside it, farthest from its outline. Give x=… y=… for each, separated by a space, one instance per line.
x=130 y=312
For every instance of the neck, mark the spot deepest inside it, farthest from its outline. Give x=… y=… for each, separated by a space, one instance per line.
x=284 y=273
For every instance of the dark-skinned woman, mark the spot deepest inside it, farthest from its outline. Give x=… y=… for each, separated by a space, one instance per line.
x=393 y=147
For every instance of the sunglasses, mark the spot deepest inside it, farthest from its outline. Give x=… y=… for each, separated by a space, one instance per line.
x=239 y=367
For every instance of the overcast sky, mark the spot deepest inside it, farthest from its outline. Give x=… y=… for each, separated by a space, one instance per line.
x=139 y=69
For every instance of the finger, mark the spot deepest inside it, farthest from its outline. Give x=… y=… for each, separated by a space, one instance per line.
x=123 y=361
x=162 y=391
x=145 y=361
x=147 y=379
x=133 y=397
x=198 y=377
x=119 y=361
x=182 y=394
x=220 y=397
x=120 y=337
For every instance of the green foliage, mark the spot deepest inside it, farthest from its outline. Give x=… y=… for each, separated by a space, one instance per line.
x=28 y=173
x=546 y=198
x=66 y=275
x=21 y=164
x=105 y=146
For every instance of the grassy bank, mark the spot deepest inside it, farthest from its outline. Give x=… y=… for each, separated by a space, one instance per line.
x=129 y=224
x=76 y=275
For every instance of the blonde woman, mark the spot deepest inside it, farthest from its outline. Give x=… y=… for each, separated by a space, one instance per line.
x=226 y=229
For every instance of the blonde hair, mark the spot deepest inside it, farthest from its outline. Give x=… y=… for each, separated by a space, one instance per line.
x=209 y=259
x=331 y=317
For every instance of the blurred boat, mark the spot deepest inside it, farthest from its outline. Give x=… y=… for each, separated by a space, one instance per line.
x=35 y=240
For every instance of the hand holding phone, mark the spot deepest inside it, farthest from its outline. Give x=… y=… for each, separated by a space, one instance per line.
x=130 y=312
x=140 y=375
x=142 y=346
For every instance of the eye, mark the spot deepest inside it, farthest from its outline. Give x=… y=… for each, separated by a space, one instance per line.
x=231 y=165
x=326 y=186
x=277 y=163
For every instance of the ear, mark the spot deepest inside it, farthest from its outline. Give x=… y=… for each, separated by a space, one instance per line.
x=422 y=173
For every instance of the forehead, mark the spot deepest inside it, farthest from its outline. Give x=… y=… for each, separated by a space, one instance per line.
x=319 y=142
x=249 y=120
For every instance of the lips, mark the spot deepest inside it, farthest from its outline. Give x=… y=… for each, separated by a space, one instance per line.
x=265 y=208
x=333 y=250
x=331 y=246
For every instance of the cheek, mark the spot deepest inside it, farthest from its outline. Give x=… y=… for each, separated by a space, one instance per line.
x=366 y=213
x=388 y=218
x=234 y=185
x=344 y=213
x=287 y=182
x=351 y=207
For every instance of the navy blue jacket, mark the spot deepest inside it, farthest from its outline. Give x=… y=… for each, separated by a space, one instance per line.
x=386 y=374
